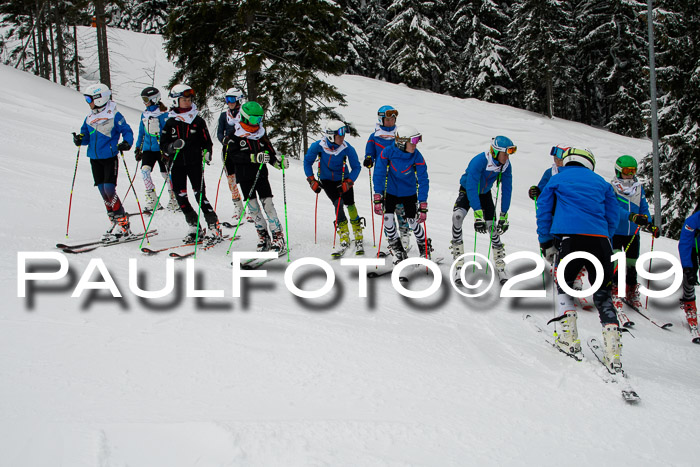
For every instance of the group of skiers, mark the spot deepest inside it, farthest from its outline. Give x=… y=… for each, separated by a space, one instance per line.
x=577 y=210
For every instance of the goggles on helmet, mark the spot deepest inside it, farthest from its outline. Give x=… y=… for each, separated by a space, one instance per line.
x=186 y=93
x=91 y=99
x=628 y=170
x=415 y=139
x=254 y=119
x=509 y=150
x=340 y=131
x=557 y=152
x=391 y=113
x=232 y=99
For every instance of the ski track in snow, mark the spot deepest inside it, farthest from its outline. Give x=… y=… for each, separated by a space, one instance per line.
x=270 y=379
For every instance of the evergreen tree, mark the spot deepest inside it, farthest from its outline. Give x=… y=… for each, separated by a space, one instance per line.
x=415 y=44
x=358 y=50
x=678 y=65
x=374 y=16
x=458 y=49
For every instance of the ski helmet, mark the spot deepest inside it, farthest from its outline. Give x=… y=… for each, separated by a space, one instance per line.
x=386 y=111
x=626 y=165
x=99 y=94
x=332 y=128
x=150 y=95
x=178 y=91
x=502 y=144
x=407 y=134
x=582 y=157
x=233 y=95
x=251 y=113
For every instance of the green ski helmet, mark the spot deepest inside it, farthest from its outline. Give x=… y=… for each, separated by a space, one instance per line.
x=625 y=165
x=252 y=113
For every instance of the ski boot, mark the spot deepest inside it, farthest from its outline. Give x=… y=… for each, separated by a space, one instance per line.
x=151 y=204
x=613 y=348
x=566 y=340
x=396 y=248
x=632 y=295
x=616 y=300
x=124 y=229
x=194 y=234
x=457 y=249
x=278 y=244
x=423 y=252
x=263 y=240
x=499 y=253
x=357 y=233
x=110 y=233
x=214 y=234
x=691 y=312
x=173 y=205
x=237 y=209
x=578 y=282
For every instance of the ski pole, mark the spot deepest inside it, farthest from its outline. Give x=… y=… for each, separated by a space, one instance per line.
x=316 y=220
x=374 y=237
x=478 y=192
x=138 y=203
x=177 y=145
x=340 y=198
x=245 y=207
x=216 y=200
x=131 y=183
x=493 y=224
x=284 y=195
x=646 y=304
x=70 y=201
x=381 y=228
x=199 y=208
x=544 y=283
x=628 y=247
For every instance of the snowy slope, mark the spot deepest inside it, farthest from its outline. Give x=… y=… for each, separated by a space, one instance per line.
x=270 y=379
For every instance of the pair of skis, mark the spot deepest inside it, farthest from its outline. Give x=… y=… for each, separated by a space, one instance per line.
x=93 y=245
x=389 y=269
x=255 y=263
x=628 y=393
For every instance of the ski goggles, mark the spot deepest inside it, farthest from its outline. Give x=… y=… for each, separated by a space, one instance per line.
x=91 y=99
x=233 y=99
x=340 y=131
x=628 y=170
x=186 y=93
x=557 y=152
x=415 y=139
x=391 y=113
x=509 y=150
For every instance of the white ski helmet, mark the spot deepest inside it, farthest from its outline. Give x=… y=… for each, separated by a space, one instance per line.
x=99 y=94
x=407 y=134
x=582 y=157
x=178 y=91
x=332 y=128
x=234 y=95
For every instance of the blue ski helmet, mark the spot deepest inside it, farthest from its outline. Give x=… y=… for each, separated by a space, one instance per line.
x=386 y=111
x=504 y=144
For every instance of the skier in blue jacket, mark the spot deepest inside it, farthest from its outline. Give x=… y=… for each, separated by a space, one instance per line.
x=688 y=251
x=401 y=177
x=557 y=152
x=634 y=213
x=334 y=154
x=100 y=132
x=577 y=212
x=485 y=170
x=147 y=148
x=224 y=133
x=383 y=136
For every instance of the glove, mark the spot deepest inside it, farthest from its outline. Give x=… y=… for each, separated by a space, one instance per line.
x=378 y=204
x=281 y=164
x=225 y=142
x=422 y=212
x=260 y=158
x=549 y=251
x=690 y=275
x=368 y=162
x=123 y=146
x=502 y=225
x=314 y=184
x=137 y=154
x=479 y=222
x=654 y=230
x=345 y=185
x=78 y=139
x=534 y=192
x=639 y=219
x=207 y=156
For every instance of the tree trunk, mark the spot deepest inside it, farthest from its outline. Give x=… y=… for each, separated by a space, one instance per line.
x=77 y=58
x=36 y=52
x=53 y=53
x=61 y=46
x=304 y=122
x=102 y=49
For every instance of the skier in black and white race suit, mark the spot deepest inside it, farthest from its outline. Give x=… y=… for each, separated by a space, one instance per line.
x=401 y=177
x=578 y=212
x=483 y=171
x=100 y=132
x=334 y=154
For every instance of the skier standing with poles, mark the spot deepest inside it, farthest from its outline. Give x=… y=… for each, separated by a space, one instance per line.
x=100 y=132
x=333 y=154
x=688 y=251
x=248 y=152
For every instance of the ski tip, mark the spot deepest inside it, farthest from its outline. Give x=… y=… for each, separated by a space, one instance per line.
x=628 y=324
x=696 y=340
x=666 y=325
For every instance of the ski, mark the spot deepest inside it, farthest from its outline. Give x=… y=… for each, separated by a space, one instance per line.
x=627 y=392
x=340 y=251
x=624 y=319
x=655 y=323
x=255 y=263
x=359 y=248
x=99 y=244
x=380 y=273
x=204 y=247
x=150 y=251
x=528 y=318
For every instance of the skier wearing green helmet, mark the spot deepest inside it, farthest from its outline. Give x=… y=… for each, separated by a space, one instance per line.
x=248 y=151
x=634 y=213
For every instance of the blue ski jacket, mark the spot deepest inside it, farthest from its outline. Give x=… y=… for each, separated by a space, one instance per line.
x=146 y=140
x=585 y=205
x=333 y=166
x=688 y=243
x=401 y=173
x=376 y=144
x=482 y=172
x=629 y=203
x=549 y=173
x=102 y=138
